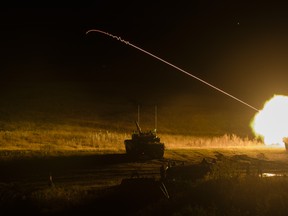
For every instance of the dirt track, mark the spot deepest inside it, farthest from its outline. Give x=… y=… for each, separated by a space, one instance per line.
x=97 y=171
x=91 y=170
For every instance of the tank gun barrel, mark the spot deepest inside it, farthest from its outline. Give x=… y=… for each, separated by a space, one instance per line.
x=138 y=127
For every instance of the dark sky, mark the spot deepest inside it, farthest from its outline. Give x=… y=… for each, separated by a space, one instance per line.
x=238 y=46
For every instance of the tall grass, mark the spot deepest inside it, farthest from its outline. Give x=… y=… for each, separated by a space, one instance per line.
x=226 y=140
x=61 y=140
x=74 y=137
x=56 y=116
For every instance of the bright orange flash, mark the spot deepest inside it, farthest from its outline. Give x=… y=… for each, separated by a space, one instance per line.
x=271 y=123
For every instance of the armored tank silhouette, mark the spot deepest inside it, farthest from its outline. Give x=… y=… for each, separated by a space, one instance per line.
x=144 y=143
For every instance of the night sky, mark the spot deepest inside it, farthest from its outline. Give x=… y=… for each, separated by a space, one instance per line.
x=238 y=46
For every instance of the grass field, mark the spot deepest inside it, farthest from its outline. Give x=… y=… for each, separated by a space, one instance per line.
x=59 y=122
x=79 y=143
x=86 y=182
x=51 y=138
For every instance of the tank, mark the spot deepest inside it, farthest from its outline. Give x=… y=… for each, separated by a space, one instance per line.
x=145 y=143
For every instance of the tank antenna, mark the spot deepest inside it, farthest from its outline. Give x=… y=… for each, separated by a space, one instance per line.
x=155 y=118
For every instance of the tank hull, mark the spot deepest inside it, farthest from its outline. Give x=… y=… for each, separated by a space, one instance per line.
x=151 y=150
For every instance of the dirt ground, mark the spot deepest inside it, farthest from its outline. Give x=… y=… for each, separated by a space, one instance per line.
x=22 y=176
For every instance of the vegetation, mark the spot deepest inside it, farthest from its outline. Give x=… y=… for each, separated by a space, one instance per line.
x=225 y=190
x=77 y=126
x=52 y=138
x=66 y=116
x=63 y=139
x=241 y=196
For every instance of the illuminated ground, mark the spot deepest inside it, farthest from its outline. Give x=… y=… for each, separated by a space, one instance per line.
x=83 y=177
x=60 y=132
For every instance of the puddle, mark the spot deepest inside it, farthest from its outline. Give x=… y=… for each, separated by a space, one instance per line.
x=273 y=175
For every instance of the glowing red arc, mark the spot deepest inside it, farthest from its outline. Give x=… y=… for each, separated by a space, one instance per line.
x=172 y=65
